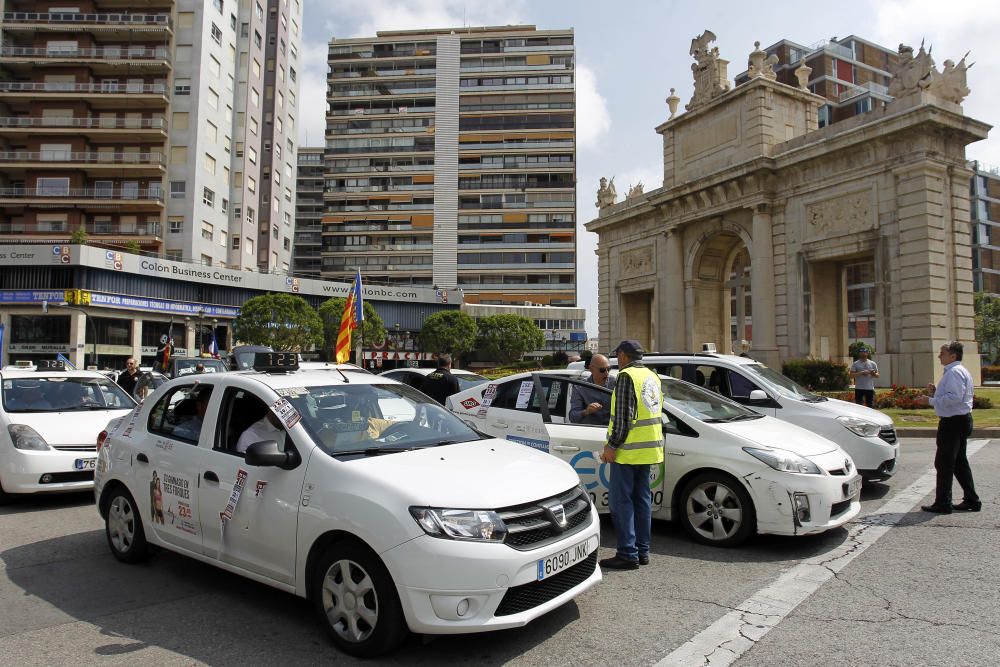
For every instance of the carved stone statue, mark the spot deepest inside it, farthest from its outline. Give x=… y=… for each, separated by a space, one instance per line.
x=606 y=194
x=760 y=64
x=951 y=85
x=634 y=191
x=917 y=73
x=710 y=71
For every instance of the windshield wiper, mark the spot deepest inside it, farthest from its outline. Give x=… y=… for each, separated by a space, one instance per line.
x=734 y=418
x=815 y=399
x=370 y=451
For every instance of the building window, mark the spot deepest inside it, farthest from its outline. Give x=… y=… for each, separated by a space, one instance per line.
x=178 y=189
x=274 y=232
x=244 y=30
x=225 y=205
x=223 y=238
x=216 y=34
x=249 y=246
x=213 y=100
x=251 y=216
x=860 y=283
x=206 y=260
x=259 y=11
x=287 y=244
x=209 y=164
x=257 y=39
x=208 y=197
x=291 y=73
x=252 y=155
x=251 y=184
x=218 y=5
x=236 y=243
x=182 y=87
x=176 y=225
x=254 y=97
x=254 y=126
x=207 y=230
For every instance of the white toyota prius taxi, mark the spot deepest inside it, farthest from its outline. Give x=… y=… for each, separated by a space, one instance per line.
x=728 y=471
x=49 y=422
x=353 y=490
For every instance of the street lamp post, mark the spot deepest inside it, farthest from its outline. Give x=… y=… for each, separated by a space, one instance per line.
x=215 y=326
x=201 y=318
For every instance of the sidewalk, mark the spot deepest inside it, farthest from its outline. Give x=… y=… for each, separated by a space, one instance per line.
x=930 y=432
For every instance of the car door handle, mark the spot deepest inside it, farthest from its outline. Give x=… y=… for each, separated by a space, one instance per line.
x=499 y=425
x=141 y=458
x=565 y=448
x=676 y=453
x=211 y=477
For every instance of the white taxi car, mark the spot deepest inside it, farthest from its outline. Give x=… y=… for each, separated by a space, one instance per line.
x=353 y=490
x=49 y=422
x=728 y=471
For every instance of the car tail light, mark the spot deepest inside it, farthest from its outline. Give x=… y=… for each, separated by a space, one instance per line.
x=101 y=437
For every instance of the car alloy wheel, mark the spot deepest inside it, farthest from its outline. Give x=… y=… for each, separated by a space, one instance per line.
x=124 y=529
x=350 y=601
x=717 y=511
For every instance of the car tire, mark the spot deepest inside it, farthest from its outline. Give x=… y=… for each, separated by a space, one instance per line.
x=123 y=528
x=5 y=497
x=716 y=510
x=357 y=601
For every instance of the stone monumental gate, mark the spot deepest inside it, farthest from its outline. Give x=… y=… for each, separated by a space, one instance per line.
x=797 y=238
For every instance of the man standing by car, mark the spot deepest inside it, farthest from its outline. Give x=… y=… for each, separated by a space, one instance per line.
x=952 y=401
x=128 y=377
x=634 y=444
x=864 y=371
x=440 y=384
x=591 y=407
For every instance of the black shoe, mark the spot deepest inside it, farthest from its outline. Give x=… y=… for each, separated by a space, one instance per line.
x=616 y=563
x=936 y=509
x=966 y=506
x=644 y=558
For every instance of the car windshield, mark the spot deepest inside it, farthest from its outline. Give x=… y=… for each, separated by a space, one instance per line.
x=63 y=394
x=703 y=404
x=470 y=380
x=783 y=385
x=371 y=419
x=188 y=366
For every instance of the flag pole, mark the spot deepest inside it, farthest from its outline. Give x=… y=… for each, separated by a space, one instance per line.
x=357 y=338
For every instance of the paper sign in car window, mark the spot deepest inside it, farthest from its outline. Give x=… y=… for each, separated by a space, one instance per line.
x=286 y=412
x=523 y=394
x=488 y=395
x=554 y=391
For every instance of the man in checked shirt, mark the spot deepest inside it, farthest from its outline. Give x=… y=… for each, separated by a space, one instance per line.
x=634 y=445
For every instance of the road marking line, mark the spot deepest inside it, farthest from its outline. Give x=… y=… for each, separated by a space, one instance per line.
x=735 y=633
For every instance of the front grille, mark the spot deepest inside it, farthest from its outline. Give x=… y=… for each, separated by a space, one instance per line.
x=533 y=525
x=888 y=433
x=888 y=467
x=528 y=596
x=839 y=508
x=76 y=448
x=63 y=477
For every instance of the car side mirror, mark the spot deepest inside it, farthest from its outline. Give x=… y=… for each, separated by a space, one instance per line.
x=758 y=395
x=267 y=454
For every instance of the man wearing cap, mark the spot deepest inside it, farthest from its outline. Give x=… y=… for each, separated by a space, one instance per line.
x=634 y=444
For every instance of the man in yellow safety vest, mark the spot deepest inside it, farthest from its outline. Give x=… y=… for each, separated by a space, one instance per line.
x=634 y=445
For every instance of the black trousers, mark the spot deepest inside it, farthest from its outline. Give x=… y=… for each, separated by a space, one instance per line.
x=951 y=459
x=865 y=397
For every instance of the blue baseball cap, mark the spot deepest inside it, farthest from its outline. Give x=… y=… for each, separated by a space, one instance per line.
x=629 y=347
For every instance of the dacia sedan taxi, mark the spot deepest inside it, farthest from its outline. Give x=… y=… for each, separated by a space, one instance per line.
x=728 y=471
x=353 y=490
x=49 y=422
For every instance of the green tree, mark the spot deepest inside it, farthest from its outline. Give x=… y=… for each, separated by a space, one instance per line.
x=283 y=321
x=987 y=324
x=372 y=329
x=450 y=331
x=132 y=247
x=79 y=236
x=507 y=337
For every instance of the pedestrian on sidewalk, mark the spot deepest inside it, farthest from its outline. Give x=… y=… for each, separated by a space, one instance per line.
x=863 y=372
x=952 y=401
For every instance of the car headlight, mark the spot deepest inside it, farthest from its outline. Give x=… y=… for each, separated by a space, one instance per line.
x=474 y=525
x=784 y=460
x=25 y=437
x=865 y=429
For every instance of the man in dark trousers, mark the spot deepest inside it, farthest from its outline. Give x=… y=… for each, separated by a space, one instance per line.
x=952 y=402
x=441 y=384
x=128 y=377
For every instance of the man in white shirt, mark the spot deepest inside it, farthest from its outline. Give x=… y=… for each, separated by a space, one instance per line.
x=266 y=428
x=864 y=371
x=952 y=401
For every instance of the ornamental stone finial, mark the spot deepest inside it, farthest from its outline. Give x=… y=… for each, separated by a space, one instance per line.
x=802 y=74
x=672 y=102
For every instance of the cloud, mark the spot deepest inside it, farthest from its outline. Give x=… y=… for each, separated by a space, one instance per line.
x=592 y=118
x=363 y=18
x=312 y=94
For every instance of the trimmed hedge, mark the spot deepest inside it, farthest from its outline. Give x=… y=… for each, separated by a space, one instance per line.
x=901 y=397
x=817 y=374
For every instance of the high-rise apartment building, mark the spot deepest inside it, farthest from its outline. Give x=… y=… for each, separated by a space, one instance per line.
x=852 y=73
x=84 y=94
x=450 y=161
x=232 y=133
x=985 y=216
x=308 y=241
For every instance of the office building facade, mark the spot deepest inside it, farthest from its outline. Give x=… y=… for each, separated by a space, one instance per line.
x=450 y=162
x=307 y=259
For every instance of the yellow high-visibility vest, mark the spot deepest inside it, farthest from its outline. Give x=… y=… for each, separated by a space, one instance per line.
x=644 y=442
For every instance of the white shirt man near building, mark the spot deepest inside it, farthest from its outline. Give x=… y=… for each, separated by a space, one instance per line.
x=864 y=371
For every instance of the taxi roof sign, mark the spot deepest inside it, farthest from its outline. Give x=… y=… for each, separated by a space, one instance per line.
x=275 y=362
x=50 y=365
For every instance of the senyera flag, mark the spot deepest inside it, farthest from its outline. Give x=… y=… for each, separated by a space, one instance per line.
x=354 y=315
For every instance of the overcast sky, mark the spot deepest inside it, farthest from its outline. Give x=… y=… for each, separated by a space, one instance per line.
x=630 y=54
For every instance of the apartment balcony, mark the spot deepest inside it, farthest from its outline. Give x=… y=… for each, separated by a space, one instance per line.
x=91 y=198
x=130 y=96
x=380 y=207
x=109 y=22
x=360 y=111
x=381 y=188
x=138 y=164
x=515 y=167
x=380 y=247
x=869 y=87
x=108 y=129
x=101 y=60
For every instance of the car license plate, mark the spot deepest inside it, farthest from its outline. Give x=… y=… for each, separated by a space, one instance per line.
x=854 y=487
x=564 y=559
x=85 y=464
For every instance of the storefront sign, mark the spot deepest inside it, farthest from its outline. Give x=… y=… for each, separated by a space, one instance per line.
x=159 y=306
x=397 y=356
x=39 y=348
x=31 y=296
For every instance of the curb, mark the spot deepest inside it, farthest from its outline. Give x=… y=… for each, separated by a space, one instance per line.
x=931 y=432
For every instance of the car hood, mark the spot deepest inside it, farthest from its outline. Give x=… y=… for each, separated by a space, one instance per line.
x=843 y=408
x=772 y=432
x=68 y=428
x=484 y=474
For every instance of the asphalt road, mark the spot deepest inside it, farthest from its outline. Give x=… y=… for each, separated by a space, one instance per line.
x=896 y=587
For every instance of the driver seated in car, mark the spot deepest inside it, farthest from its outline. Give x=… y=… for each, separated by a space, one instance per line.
x=267 y=428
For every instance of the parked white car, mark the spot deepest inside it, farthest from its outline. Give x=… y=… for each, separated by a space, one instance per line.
x=357 y=492
x=414 y=376
x=49 y=422
x=866 y=434
x=729 y=472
